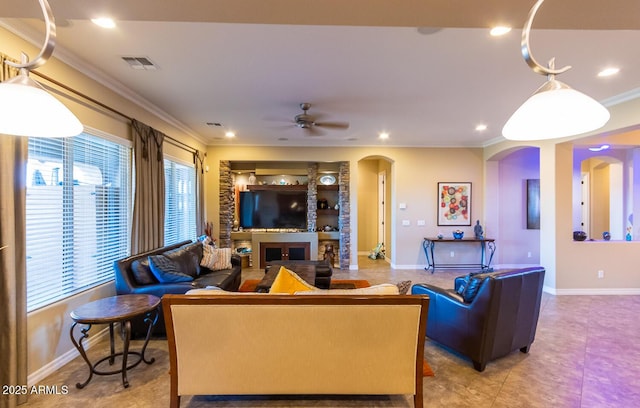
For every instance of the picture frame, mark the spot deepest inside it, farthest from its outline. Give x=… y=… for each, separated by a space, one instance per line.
x=533 y=204
x=454 y=204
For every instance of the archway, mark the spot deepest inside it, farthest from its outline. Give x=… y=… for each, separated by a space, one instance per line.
x=508 y=172
x=374 y=204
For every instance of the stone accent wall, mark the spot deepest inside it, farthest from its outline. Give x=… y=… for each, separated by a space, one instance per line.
x=227 y=206
x=312 y=197
x=344 y=220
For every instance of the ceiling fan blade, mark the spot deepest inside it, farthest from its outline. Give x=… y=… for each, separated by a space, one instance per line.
x=277 y=119
x=312 y=131
x=333 y=125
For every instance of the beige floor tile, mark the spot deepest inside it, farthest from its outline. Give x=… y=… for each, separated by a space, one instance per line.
x=586 y=354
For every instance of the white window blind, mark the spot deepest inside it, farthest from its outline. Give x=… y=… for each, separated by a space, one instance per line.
x=78 y=200
x=180 y=202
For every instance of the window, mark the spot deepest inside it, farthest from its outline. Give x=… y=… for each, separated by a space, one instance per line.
x=77 y=212
x=180 y=202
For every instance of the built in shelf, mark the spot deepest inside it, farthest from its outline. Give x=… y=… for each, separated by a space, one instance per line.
x=331 y=187
x=328 y=212
x=278 y=187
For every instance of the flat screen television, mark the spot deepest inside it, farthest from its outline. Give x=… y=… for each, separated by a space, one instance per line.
x=273 y=209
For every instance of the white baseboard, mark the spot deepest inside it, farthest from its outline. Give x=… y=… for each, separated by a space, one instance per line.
x=48 y=369
x=595 y=291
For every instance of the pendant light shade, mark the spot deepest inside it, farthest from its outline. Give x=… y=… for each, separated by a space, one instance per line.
x=554 y=111
x=26 y=108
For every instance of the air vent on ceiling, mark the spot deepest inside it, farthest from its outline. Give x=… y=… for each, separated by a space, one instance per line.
x=140 y=63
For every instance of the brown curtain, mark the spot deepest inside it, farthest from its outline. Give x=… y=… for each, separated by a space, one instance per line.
x=13 y=267
x=198 y=158
x=147 y=230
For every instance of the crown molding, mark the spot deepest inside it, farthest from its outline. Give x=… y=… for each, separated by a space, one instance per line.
x=32 y=36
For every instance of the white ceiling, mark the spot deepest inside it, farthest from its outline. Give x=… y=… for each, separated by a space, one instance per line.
x=424 y=87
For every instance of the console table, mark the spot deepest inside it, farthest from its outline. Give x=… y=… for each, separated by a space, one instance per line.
x=115 y=309
x=485 y=244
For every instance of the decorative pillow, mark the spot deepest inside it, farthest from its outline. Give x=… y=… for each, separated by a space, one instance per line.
x=216 y=258
x=470 y=286
x=167 y=271
x=187 y=257
x=142 y=273
x=216 y=291
x=403 y=287
x=382 y=289
x=287 y=281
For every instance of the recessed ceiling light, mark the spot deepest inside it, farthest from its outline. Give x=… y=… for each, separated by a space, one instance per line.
x=599 y=148
x=104 y=22
x=481 y=127
x=229 y=134
x=383 y=135
x=499 y=30
x=608 y=72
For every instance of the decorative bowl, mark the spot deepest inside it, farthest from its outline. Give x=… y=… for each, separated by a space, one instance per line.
x=458 y=234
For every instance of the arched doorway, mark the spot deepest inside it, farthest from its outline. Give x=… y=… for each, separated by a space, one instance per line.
x=374 y=204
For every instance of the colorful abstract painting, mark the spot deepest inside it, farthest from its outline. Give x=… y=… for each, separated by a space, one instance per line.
x=454 y=203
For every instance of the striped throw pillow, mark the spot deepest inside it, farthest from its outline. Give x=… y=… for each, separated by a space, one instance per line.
x=216 y=258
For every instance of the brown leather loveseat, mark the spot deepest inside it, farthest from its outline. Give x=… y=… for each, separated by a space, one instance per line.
x=486 y=315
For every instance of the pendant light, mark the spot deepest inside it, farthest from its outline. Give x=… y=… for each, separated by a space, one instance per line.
x=26 y=108
x=554 y=110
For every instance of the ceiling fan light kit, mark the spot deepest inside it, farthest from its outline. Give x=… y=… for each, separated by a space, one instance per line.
x=555 y=110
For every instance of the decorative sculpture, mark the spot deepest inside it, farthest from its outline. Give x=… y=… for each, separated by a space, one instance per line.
x=477 y=230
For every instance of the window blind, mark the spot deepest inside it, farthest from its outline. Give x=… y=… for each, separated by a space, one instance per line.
x=180 y=202
x=77 y=214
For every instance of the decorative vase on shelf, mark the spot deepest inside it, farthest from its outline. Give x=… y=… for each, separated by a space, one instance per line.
x=252 y=179
x=606 y=235
x=458 y=234
x=628 y=236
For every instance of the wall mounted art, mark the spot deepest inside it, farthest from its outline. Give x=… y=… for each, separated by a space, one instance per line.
x=533 y=204
x=454 y=204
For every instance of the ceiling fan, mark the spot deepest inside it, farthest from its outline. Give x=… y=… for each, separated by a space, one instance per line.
x=310 y=122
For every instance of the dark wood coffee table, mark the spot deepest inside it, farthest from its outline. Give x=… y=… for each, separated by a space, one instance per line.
x=306 y=272
x=116 y=309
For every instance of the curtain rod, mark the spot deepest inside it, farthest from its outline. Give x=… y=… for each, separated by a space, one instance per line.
x=170 y=139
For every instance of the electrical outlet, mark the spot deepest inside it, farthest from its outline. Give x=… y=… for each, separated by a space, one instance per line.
x=406 y=223
x=421 y=223
x=600 y=274
x=452 y=254
x=529 y=254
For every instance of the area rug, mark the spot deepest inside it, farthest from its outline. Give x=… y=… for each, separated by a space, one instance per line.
x=426 y=370
x=249 y=285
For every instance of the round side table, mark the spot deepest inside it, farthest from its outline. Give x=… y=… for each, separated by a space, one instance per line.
x=116 y=309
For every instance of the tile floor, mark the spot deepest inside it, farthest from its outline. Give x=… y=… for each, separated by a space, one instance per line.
x=586 y=354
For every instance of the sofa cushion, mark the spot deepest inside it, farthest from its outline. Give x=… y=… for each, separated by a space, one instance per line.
x=470 y=285
x=382 y=289
x=142 y=272
x=188 y=258
x=287 y=281
x=167 y=270
x=216 y=258
x=403 y=287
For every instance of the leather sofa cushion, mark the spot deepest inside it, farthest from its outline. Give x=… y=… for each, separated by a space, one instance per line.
x=142 y=272
x=188 y=258
x=470 y=285
x=167 y=270
x=217 y=279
